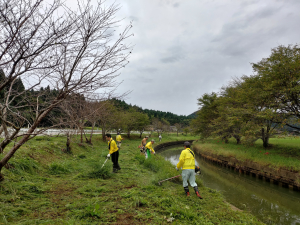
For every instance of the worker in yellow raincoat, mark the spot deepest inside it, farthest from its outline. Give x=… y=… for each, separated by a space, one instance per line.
x=113 y=152
x=149 y=149
x=187 y=163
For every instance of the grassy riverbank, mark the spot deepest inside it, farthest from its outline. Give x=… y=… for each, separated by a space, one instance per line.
x=47 y=186
x=284 y=152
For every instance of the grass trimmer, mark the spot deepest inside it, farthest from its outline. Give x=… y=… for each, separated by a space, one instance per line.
x=159 y=182
x=104 y=162
x=197 y=171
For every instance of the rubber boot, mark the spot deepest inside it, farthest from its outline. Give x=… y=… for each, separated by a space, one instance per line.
x=115 y=170
x=119 y=168
x=187 y=192
x=197 y=192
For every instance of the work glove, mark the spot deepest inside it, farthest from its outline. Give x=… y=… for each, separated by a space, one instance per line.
x=154 y=153
x=176 y=168
x=108 y=155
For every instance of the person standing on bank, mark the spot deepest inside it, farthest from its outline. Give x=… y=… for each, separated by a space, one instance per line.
x=119 y=140
x=187 y=162
x=149 y=148
x=160 y=137
x=144 y=142
x=113 y=152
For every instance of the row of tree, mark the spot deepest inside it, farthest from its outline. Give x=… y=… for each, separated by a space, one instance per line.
x=79 y=113
x=74 y=51
x=256 y=106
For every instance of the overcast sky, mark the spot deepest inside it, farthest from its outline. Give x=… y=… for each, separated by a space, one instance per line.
x=186 y=48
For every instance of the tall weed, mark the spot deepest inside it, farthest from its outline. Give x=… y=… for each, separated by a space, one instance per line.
x=21 y=165
x=59 y=168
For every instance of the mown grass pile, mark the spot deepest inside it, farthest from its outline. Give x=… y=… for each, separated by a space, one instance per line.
x=44 y=185
x=284 y=152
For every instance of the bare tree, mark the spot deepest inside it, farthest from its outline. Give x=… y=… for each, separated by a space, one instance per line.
x=94 y=111
x=75 y=113
x=107 y=117
x=49 y=44
x=178 y=127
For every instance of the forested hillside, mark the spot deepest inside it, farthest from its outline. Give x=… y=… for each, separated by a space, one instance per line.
x=170 y=117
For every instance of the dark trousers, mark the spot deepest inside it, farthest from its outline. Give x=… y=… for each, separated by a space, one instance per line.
x=114 y=159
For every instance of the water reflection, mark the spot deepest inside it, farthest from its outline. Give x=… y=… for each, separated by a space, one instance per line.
x=270 y=203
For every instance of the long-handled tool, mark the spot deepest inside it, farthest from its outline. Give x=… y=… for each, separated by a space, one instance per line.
x=197 y=171
x=104 y=162
x=159 y=183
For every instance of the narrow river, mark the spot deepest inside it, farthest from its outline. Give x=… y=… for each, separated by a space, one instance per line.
x=270 y=203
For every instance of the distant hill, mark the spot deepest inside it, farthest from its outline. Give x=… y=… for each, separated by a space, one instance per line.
x=170 y=117
x=193 y=115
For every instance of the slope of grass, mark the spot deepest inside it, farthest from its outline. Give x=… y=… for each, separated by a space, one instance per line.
x=47 y=186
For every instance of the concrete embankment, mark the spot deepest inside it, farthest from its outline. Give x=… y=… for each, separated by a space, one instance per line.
x=282 y=177
x=167 y=144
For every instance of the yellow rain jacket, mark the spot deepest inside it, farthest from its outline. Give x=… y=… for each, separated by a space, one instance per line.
x=119 y=138
x=149 y=146
x=186 y=160
x=112 y=146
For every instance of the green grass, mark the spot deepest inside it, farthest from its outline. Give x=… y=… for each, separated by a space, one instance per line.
x=284 y=152
x=47 y=186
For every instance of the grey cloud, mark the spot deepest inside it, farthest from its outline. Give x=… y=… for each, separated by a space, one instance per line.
x=170 y=59
x=175 y=5
x=203 y=42
x=134 y=18
x=174 y=54
x=148 y=69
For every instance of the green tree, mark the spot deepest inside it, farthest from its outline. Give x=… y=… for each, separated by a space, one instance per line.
x=186 y=130
x=206 y=114
x=142 y=121
x=280 y=74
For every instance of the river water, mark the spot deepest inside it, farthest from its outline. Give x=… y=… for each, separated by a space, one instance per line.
x=270 y=203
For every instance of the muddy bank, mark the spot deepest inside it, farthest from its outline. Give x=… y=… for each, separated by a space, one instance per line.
x=282 y=177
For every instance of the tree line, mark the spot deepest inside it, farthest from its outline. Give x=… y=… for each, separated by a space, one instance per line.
x=256 y=106
x=79 y=111
x=168 y=116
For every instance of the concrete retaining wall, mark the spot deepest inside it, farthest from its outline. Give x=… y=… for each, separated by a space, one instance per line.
x=282 y=177
x=167 y=144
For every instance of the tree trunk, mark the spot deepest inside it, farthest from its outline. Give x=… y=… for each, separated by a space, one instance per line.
x=1 y=130
x=68 y=150
x=6 y=141
x=103 y=132
x=128 y=134
x=238 y=139
x=265 y=137
x=93 y=126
